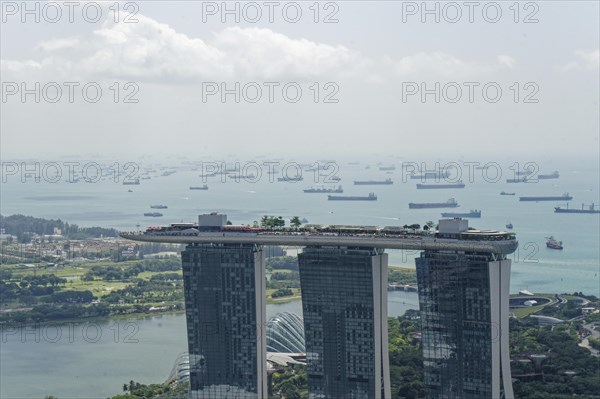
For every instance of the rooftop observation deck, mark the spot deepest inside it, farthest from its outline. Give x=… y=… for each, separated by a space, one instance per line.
x=495 y=242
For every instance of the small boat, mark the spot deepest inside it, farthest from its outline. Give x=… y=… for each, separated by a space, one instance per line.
x=130 y=191
x=509 y=226
x=505 y=193
x=553 y=244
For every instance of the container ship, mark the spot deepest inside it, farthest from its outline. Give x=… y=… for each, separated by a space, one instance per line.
x=459 y=184
x=431 y=175
x=372 y=182
x=474 y=213
x=553 y=175
x=324 y=190
x=564 y=197
x=523 y=172
x=590 y=209
x=451 y=203
x=290 y=179
x=370 y=197
x=250 y=176
x=158 y=206
x=204 y=187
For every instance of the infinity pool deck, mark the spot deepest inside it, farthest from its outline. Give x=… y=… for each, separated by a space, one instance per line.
x=494 y=246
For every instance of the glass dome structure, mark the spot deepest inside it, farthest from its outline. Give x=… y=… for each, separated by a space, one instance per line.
x=285 y=333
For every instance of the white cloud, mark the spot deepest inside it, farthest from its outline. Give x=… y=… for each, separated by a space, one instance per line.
x=439 y=64
x=154 y=51
x=586 y=60
x=506 y=60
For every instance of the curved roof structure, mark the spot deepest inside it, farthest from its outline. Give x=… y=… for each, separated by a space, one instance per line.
x=285 y=333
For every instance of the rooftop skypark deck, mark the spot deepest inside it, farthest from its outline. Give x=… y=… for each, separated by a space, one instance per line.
x=453 y=235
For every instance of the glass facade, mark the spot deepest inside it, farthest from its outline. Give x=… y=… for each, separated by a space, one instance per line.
x=459 y=325
x=224 y=299
x=345 y=322
x=285 y=333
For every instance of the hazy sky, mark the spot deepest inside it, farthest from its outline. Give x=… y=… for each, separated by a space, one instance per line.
x=361 y=79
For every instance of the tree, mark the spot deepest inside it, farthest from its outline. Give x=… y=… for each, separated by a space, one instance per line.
x=430 y=224
x=279 y=222
x=295 y=222
x=265 y=222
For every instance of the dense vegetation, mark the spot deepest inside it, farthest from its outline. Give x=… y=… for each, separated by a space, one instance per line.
x=24 y=226
x=282 y=262
x=402 y=276
x=109 y=273
x=45 y=297
x=568 y=371
x=406 y=358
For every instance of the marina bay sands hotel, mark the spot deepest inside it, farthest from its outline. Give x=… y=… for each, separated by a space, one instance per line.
x=463 y=282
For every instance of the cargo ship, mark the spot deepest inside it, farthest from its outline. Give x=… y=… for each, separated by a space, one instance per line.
x=451 y=203
x=131 y=182
x=324 y=190
x=474 y=213
x=158 y=206
x=564 y=197
x=458 y=184
x=204 y=187
x=370 y=197
x=153 y=214
x=384 y=168
x=519 y=180
x=523 y=172
x=505 y=193
x=590 y=209
x=290 y=179
x=372 y=182
x=250 y=176
x=553 y=175
x=431 y=175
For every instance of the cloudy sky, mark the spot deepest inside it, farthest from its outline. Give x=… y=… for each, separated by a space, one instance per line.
x=336 y=79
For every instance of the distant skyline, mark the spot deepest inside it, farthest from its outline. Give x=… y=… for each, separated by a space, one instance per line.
x=368 y=61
